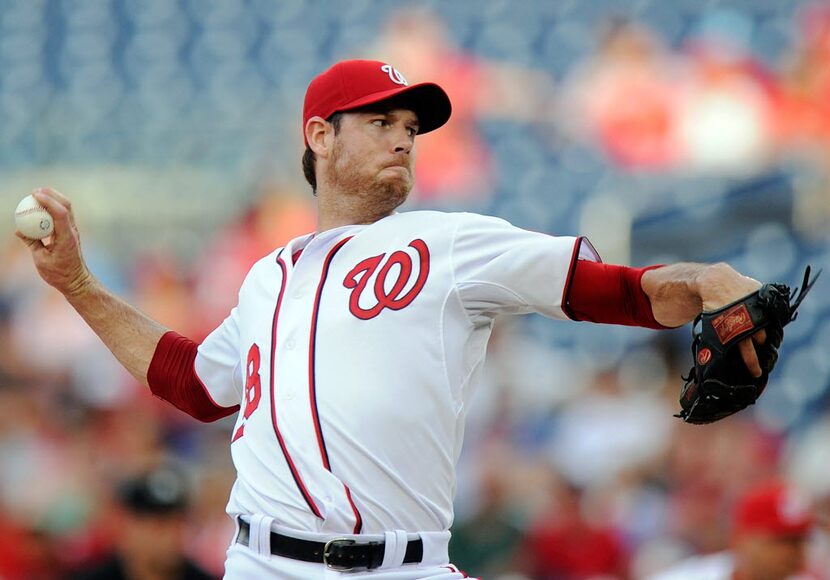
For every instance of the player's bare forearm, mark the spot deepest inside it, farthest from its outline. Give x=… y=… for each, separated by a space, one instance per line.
x=127 y=332
x=679 y=292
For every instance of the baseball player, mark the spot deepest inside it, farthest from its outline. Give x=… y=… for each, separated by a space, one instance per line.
x=353 y=352
x=771 y=527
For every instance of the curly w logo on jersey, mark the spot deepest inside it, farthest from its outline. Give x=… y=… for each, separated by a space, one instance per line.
x=393 y=286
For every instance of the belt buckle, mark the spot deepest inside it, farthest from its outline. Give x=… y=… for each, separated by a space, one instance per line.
x=327 y=553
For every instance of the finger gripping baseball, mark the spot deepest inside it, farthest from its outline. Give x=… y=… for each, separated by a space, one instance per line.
x=719 y=384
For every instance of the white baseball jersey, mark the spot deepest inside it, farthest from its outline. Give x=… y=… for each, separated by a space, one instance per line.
x=718 y=566
x=354 y=353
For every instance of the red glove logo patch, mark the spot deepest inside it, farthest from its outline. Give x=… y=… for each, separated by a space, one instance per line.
x=732 y=323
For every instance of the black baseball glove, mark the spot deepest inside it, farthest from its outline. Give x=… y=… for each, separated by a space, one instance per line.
x=719 y=384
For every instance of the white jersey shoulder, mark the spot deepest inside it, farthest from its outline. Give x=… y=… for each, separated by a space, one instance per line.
x=496 y=267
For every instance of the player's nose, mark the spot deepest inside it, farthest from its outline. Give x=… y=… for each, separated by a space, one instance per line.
x=402 y=140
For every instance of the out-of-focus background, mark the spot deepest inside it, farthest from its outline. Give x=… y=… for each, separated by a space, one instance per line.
x=665 y=131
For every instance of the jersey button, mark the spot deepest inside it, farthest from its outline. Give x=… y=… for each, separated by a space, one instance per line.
x=289 y=344
x=289 y=394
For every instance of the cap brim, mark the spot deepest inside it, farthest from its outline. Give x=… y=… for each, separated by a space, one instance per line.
x=427 y=100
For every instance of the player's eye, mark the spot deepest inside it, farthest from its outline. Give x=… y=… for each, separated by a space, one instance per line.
x=411 y=131
x=379 y=122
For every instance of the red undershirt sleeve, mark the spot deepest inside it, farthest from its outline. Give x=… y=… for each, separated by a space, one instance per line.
x=172 y=378
x=609 y=294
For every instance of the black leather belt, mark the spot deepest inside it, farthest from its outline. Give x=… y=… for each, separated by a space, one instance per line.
x=341 y=554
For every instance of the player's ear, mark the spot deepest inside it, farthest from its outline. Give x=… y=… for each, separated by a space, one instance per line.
x=317 y=133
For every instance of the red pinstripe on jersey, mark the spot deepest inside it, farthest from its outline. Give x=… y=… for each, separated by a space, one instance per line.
x=312 y=386
x=566 y=290
x=452 y=568
x=295 y=474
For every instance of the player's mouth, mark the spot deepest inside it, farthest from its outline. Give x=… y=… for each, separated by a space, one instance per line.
x=402 y=171
x=398 y=161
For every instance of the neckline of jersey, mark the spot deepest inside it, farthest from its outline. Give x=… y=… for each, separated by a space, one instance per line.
x=301 y=243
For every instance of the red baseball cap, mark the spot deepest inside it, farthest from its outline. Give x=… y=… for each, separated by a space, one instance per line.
x=774 y=508
x=352 y=84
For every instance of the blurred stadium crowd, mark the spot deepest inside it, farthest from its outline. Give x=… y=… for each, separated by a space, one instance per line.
x=665 y=131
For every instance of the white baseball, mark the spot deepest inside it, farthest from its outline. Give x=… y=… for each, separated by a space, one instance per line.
x=32 y=219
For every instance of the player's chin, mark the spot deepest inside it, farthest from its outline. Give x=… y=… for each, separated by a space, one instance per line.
x=399 y=184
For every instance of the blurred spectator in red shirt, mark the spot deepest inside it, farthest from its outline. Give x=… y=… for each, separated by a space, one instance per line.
x=624 y=98
x=24 y=553
x=804 y=118
x=565 y=544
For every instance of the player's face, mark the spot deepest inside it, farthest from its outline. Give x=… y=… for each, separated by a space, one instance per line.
x=373 y=155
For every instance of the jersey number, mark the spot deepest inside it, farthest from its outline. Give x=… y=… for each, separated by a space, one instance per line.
x=253 y=388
